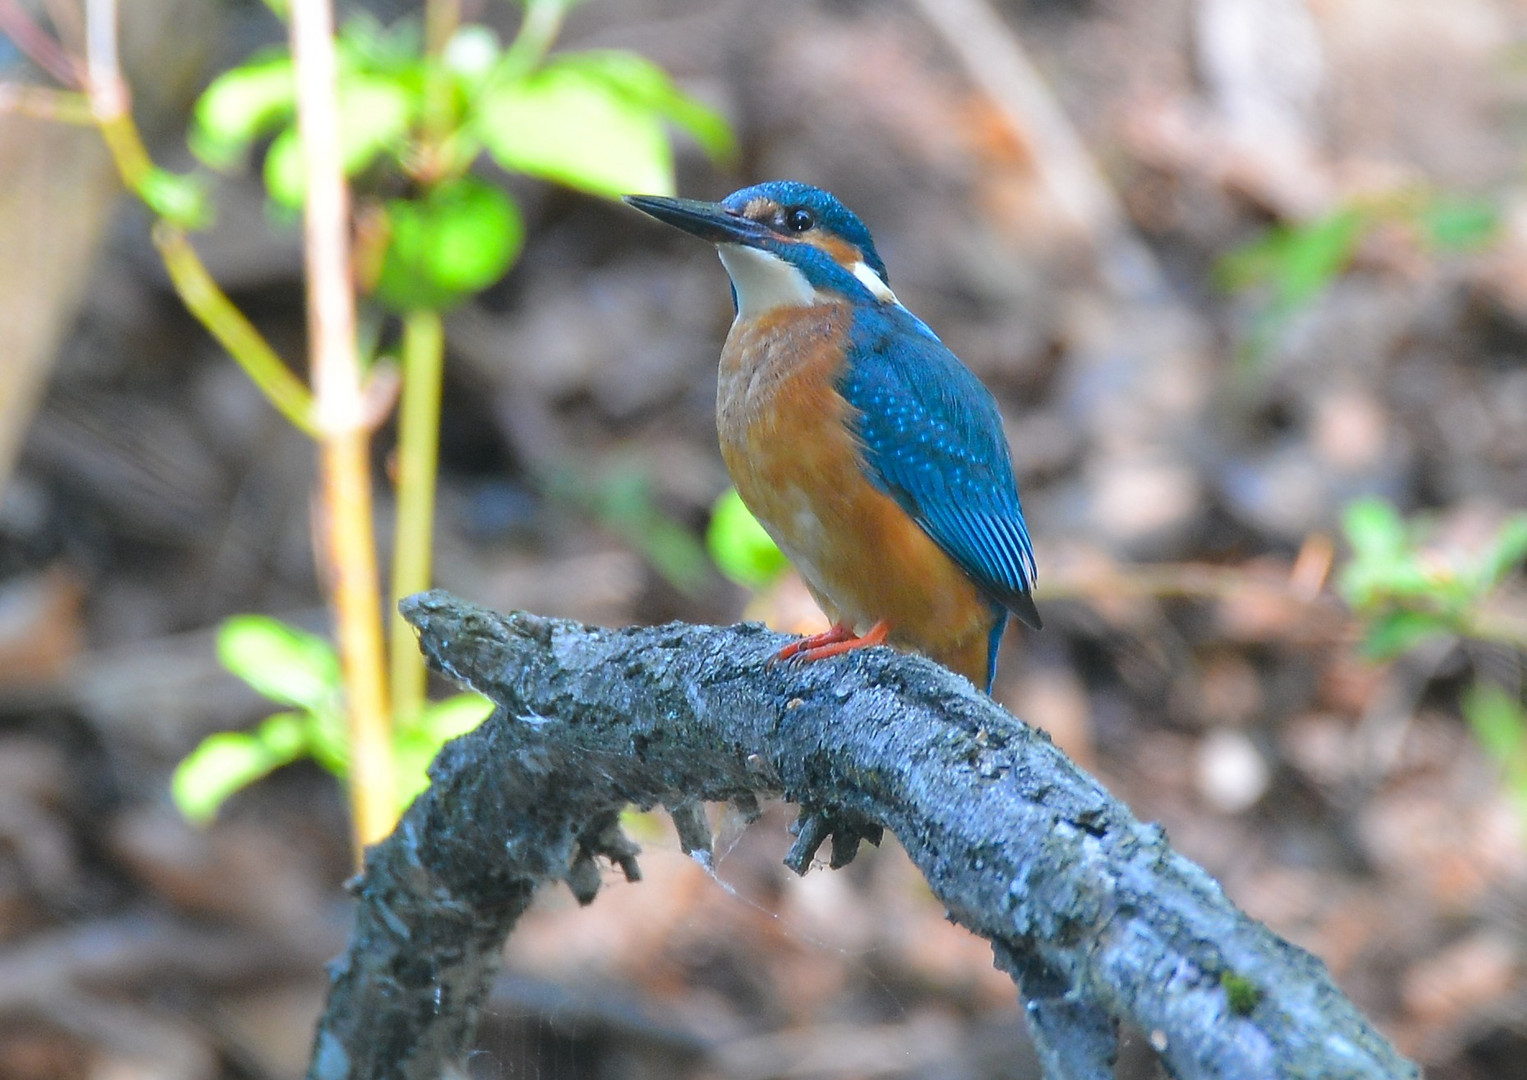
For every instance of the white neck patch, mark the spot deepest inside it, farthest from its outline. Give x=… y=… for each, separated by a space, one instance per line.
x=764 y=281
x=873 y=282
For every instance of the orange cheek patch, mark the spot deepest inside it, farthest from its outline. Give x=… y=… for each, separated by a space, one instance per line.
x=843 y=253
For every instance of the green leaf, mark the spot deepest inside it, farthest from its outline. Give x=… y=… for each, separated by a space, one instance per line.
x=624 y=503
x=1406 y=593
x=242 y=105
x=645 y=83
x=286 y=735
x=1407 y=579
x=284 y=179
x=1382 y=562
x=179 y=199
x=1460 y=224
x=1298 y=261
x=1374 y=528
x=459 y=239
x=455 y=716
x=1498 y=720
x=1316 y=253
x=415 y=746
x=569 y=123
x=651 y=826
x=672 y=550
x=1399 y=631
x=368 y=44
x=621 y=499
x=1506 y=553
x=411 y=756
x=281 y=662
x=375 y=112
x=328 y=739
x=230 y=761
x=739 y=545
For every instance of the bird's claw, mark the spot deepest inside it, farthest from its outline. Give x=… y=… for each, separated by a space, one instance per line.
x=833 y=641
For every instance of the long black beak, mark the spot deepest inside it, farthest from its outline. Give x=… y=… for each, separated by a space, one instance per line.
x=707 y=220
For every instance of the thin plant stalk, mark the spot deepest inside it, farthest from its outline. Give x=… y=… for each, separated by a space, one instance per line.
x=345 y=467
x=110 y=108
x=438 y=156
x=423 y=352
x=538 y=30
x=417 y=462
x=40 y=103
x=110 y=105
x=234 y=332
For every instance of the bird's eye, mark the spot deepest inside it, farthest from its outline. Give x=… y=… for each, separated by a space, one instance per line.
x=799 y=219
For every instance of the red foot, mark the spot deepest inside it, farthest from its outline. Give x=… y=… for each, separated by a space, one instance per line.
x=832 y=642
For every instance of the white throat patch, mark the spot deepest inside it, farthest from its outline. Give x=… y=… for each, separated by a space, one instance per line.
x=764 y=281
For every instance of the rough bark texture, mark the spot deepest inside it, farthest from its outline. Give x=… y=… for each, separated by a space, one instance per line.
x=1092 y=913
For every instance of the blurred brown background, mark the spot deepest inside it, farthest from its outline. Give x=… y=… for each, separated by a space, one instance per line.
x=1062 y=241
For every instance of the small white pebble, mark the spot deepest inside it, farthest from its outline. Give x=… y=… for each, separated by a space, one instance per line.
x=1231 y=773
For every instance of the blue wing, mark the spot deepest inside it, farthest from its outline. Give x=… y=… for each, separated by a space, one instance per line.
x=933 y=441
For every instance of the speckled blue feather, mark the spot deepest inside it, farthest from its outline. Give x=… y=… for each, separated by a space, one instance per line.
x=933 y=441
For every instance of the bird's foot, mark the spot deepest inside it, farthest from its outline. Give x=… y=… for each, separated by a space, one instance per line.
x=833 y=635
x=831 y=642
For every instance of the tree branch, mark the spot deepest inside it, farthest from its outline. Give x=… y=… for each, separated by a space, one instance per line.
x=1095 y=917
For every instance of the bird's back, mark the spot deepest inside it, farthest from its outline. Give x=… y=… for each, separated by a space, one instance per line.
x=934 y=441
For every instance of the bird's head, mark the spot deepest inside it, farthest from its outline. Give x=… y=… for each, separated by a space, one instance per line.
x=785 y=244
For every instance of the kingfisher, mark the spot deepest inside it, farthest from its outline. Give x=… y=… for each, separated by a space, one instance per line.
x=874 y=458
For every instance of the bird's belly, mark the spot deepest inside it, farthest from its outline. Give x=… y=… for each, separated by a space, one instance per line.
x=785 y=436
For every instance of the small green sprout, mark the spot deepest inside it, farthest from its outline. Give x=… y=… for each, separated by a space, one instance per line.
x=301 y=670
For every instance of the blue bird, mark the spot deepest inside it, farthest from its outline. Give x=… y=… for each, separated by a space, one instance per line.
x=873 y=457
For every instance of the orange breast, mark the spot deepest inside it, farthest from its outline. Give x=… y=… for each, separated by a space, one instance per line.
x=786 y=441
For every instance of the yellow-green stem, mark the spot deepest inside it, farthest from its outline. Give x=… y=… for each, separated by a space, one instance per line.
x=417 y=461
x=438 y=147
x=538 y=30
x=345 y=467
x=194 y=284
x=419 y=408
x=40 y=103
x=341 y=411
x=224 y=321
x=126 y=145
x=441 y=18
x=541 y=25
